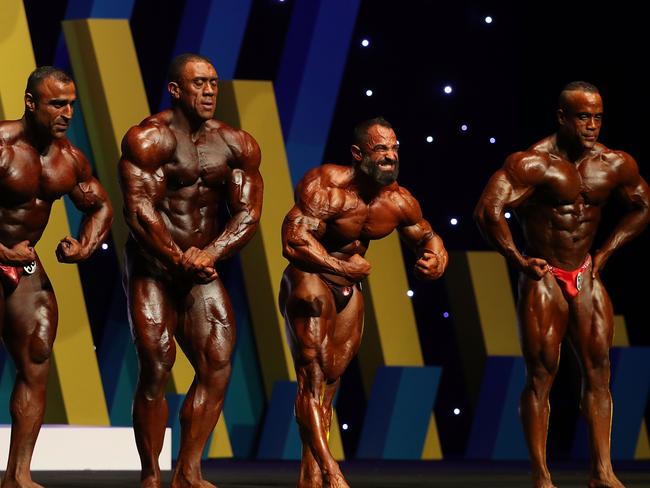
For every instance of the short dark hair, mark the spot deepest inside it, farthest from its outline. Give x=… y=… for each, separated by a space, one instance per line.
x=361 y=129
x=37 y=76
x=582 y=86
x=179 y=62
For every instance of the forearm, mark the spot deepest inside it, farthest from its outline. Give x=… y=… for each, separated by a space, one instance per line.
x=308 y=254
x=150 y=231
x=497 y=233
x=239 y=230
x=95 y=229
x=630 y=226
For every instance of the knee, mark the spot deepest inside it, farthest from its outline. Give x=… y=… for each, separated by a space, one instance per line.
x=155 y=368
x=40 y=349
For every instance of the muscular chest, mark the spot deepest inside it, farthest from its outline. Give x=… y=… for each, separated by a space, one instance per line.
x=31 y=176
x=203 y=162
x=589 y=182
x=366 y=220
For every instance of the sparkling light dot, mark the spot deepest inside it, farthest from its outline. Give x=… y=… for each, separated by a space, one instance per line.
x=429 y=139
x=507 y=215
x=445 y=315
x=488 y=20
x=464 y=127
x=448 y=89
x=453 y=221
x=104 y=246
x=410 y=293
x=368 y=93
x=344 y=426
x=365 y=43
x=492 y=140
x=456 y=411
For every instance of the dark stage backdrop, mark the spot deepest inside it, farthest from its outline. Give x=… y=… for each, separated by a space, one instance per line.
x=503 y=79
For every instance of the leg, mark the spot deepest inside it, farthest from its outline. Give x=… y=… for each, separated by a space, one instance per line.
x=543 y=318
x=591 y=336
x=322 y=344
x=153 y=317
x=207 y=337
x=30 y=327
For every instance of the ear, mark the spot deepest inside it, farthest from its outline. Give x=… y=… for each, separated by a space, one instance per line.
x=30 y=103
x=561 y=116
x=174 y=90
x=356 y=152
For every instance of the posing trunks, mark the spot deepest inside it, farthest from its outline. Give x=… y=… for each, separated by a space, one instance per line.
x=10 y=275
x=342 y=293
x=571 y=281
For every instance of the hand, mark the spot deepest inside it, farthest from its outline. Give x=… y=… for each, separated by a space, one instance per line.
x=199 y=264
x=431 y=265
x=19 y=255
x=356 y=268
x=70 y=251
x=534 y=268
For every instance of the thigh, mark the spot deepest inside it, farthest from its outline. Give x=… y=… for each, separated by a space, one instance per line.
x=31 y=316
x=207 y=330
x=153 y=317
x=310 y=313
x=543 y=315
x=591 y=329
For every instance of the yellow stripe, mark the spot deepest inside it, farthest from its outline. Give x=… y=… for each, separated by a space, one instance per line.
x=17 y=57
x=620 y=332
x=250 y=105
x=75 y=359
x=220 y=446
x=112 y=94
x=390 y=331
x=495 y=303
x=432 y=450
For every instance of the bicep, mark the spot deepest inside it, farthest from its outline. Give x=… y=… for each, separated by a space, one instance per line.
x=89 y=195
x=245 y=190
x=140 y=185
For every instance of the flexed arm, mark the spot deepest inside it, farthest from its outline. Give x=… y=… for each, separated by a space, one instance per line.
x=145 y=149
x=306 y=224
x=90 y=197
x=636 y=194
x=245 y=191
x=418 y=235
x=509 y=187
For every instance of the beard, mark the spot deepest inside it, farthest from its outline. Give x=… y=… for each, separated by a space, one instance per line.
x=375 y=172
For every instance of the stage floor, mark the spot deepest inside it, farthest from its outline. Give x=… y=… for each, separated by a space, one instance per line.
x=443 y=474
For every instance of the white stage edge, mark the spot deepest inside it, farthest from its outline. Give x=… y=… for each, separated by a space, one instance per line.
x=76 y=448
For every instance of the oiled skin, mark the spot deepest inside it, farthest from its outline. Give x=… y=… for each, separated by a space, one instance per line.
x=178 y=169
x=338 y=211
x=39 y=165
x=557 y=189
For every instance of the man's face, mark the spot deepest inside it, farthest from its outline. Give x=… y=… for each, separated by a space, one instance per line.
x=582 y=118
x=197 y=89
x=52 y=106
x=378 y=156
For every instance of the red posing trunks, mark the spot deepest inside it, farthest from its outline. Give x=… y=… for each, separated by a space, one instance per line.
x=10 y=275
x=570 y=281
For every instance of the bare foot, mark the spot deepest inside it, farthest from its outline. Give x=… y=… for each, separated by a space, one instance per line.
x=610 y=481
x=336 y=480
x=185 y=481
x=543 y=482
x=23 y=483
x=310 y=476
x=150 y=482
